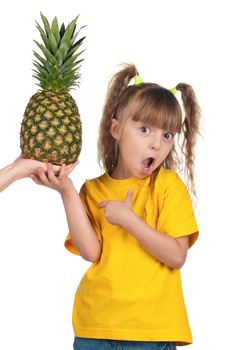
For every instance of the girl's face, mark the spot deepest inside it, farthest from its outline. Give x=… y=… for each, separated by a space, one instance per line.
x=142 y=148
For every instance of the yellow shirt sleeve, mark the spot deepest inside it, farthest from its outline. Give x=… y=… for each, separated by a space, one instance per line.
x=176 y=217
x=68 y=245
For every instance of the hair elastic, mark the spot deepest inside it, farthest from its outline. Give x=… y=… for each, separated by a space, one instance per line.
x=173 y=90
x=136 y=80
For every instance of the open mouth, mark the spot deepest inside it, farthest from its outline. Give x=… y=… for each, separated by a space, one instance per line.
x=148 y=162
x=147 y=165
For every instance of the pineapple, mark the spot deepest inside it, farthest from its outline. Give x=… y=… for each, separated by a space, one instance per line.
x=51 y=127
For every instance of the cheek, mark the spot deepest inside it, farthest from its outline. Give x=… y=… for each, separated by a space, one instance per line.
x=169 y=149
x=166 y=150
x=129 y=148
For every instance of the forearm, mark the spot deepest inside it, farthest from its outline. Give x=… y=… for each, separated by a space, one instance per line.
x=81 y=231
x=7 y=176
x=161 y=246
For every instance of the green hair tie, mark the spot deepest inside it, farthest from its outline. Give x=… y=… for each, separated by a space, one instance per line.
x=173 y=90
x=137 y=80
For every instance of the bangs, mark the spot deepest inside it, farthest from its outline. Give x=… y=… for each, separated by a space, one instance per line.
x=156 y=106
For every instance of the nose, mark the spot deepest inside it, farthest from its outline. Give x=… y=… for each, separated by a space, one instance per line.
x=156 y=143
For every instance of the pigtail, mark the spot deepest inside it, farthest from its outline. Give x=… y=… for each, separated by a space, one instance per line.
x=190 y=131
x=107 y=147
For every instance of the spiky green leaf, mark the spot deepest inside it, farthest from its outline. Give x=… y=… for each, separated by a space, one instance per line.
x=71 y=59
x=63 y=49
x=59 y=57
x=46 y=24
x=43 y=35
x=41 y=59
x=46 y=53
x=75 y=47
x=69 y=32
x=62 y=30
x=43 y=72
x=71 y=66
x=53 y=43
x=55 y=29
x=76 y=35
x=58 y=67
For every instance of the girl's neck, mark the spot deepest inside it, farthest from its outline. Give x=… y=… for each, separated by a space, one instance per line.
x=118 y=175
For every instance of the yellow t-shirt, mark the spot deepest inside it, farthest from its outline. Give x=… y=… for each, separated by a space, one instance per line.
x=128 y=294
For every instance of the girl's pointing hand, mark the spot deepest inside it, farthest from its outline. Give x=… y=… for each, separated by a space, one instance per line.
x=116 y=212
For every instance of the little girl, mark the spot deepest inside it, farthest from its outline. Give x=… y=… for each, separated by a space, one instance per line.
x=135 y=223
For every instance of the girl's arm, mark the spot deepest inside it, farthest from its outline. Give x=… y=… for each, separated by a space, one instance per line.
x=170 y=251
x=82 y=234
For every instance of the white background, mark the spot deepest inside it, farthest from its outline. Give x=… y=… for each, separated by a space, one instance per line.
x=169 y=41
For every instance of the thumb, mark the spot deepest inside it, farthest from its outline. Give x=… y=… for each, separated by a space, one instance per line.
x=129 y=197
x=102 y=204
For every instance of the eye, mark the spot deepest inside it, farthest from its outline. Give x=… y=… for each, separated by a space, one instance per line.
x=169 y=136
x=144 y=129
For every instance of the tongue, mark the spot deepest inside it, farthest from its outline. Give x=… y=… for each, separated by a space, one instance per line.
x=147 y=167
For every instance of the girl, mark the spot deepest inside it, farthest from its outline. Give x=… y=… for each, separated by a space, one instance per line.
x=135 y=223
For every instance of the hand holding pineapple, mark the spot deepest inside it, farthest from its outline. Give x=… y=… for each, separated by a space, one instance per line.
x=59 y=182
x=26 y=167
x=22 y=168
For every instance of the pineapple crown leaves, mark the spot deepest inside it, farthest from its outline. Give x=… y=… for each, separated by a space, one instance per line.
x=58 y=69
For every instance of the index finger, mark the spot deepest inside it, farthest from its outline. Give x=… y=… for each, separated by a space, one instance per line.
x=62 y=171
x=51 y=173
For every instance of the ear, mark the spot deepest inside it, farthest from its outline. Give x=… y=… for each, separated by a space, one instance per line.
x=114 y=129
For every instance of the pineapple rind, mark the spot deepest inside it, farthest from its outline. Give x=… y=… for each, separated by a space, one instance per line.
x=49 y=134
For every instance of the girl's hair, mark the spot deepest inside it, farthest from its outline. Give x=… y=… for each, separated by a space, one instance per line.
x=156 y=106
